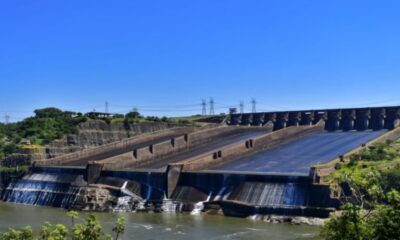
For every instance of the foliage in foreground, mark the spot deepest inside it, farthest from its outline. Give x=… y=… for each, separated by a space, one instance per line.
x=371 y=208
x=90 y=229
x=354 y=223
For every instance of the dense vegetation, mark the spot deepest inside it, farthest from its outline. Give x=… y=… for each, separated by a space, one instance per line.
x=369 y=187
x=47 y=124
x=90 y=229
x=52 y=123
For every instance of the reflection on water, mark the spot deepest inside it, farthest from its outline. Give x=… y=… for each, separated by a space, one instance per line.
x=146 y=226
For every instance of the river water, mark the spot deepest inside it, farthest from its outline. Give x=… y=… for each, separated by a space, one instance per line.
x=164 y=226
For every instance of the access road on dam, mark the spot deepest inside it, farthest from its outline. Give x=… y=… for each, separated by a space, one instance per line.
x=297 y=156
x=222 y=142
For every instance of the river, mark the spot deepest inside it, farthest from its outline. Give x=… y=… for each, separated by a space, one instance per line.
x=146 y=226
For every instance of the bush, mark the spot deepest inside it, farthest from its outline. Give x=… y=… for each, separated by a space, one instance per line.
x=379 y=152
x=90 y=229
x=391 y=179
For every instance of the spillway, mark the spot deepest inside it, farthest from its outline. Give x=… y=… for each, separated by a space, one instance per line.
x=298 y=155
x=44 y=189
x=216 y=144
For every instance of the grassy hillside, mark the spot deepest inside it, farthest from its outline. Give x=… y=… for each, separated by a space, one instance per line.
x=383 y=158
x=49 y=124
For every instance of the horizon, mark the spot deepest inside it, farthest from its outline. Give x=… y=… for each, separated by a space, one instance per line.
x=164 y=58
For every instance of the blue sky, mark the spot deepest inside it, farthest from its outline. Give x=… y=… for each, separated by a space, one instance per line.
x=164 y=57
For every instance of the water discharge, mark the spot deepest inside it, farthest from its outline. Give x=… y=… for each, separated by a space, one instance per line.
x=43 y=190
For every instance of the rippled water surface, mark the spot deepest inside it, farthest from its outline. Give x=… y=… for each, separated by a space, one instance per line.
x=145 y=226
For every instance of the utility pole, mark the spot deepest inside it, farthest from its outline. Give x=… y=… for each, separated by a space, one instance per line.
x=204 y=107
x=7 y=118
x=212 y=106
x=253 y=105
x=241 y=106
x=106 y=109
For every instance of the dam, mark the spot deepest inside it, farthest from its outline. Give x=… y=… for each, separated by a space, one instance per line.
x=299 y=154
x=253 y=164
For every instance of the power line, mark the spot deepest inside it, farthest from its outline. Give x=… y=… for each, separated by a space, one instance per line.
x=158 y=106
x=212 y=112
x=7 y=118
x=241 y=106
x=204 y=107
x=253 y=105
x=106 y=107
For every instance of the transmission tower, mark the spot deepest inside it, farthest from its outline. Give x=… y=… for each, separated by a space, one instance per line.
x=204 y=107
x=7 y=118
x=106 y=108
x=241 y=106
x=212 y=106
x=253 y=105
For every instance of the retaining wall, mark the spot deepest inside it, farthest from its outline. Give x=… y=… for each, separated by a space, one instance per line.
x=111 y=149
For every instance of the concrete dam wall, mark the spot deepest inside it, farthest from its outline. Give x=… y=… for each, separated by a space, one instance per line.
x=360 y=119
x=66 y=187
x=259 y=164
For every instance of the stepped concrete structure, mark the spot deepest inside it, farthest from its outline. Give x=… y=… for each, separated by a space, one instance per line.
x=272 y=163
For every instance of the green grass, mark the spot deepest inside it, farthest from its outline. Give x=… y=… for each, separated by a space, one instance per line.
x=383 y=158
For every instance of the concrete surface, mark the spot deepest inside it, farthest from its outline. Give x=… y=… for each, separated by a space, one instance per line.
x=202 y=149
x=297 y=156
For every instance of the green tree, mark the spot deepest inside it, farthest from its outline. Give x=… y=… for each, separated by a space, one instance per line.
x=119 y=227
x=133 y=114
x=347 y=225
x=384 y=222
x=50 y=112
x=48 y=232
x=89 y=230
x=368 y=213
x=18 y=234
x=73 y=215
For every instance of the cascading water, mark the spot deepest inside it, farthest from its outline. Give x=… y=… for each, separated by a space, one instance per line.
x=198 y=207
x=270 y=194
x=148 y=192
x=221 y=193
x=123 y=204
x=170 y=206
x=43 y=189
x=124 y=201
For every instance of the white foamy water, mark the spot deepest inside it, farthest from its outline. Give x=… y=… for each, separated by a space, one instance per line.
x=198 y=207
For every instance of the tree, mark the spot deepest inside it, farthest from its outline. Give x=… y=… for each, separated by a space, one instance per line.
x=348 y=225
x=50 y=112
x=48 y=232
x=21 y=234
x=119 y=227
x=369 y=213
x=133 y=114
x=73 y=215
x=89 y=230
x=384 y=222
